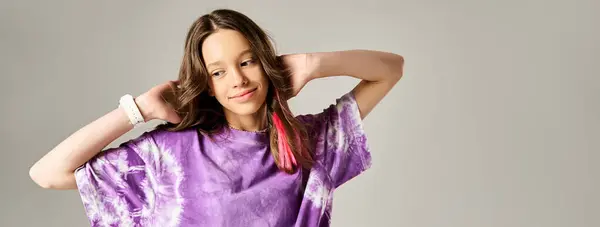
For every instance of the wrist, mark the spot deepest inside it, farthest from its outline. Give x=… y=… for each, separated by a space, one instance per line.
x=314 y=63
x=142 y=104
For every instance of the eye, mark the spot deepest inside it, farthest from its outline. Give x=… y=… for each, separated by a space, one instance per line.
x=217 y=73
x=248 y=62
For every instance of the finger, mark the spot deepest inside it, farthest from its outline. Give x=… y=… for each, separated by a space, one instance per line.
x=174 y=118
x=174 y=83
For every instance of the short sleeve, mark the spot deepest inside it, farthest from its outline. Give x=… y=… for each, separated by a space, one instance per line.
x=340 y=140
x=112 y=183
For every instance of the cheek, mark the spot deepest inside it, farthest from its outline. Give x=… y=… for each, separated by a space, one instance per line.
x=264 y=82
x=258 y=76
x=221 y=95
x=217 y=91
x=265 y=88
x=261 y=77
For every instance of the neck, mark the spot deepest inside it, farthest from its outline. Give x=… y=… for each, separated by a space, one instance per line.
x=252 y=122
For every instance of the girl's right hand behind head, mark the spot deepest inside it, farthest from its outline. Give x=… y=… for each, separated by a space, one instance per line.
x=157 y=103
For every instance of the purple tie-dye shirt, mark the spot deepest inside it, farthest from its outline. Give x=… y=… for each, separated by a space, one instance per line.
x=189 y=179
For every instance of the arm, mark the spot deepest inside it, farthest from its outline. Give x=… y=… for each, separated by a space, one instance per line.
x=55 y=170
x=379 y=72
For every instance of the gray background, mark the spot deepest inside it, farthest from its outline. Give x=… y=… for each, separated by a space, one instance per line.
x=495 y=123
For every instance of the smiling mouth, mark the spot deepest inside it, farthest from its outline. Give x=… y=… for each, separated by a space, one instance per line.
x=243 y=93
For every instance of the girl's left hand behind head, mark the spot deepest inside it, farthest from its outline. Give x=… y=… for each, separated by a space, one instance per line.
x=301 y=70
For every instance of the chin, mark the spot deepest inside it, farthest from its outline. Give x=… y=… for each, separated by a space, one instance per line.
x=246 y=111
x=246 y=108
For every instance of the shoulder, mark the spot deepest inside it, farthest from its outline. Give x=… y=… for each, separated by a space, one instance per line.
x=163 y=139
x=339 y=140
x=161 y=135
x=166 y=139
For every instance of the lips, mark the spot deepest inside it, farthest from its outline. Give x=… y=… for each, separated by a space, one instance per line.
x=243 y=93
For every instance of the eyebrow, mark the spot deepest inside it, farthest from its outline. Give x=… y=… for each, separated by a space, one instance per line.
x=241 y=54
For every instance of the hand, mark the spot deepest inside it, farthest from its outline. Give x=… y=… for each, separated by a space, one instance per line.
x=157 y=103
x=302 y=69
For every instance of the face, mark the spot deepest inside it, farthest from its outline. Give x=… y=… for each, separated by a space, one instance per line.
x=237 y=79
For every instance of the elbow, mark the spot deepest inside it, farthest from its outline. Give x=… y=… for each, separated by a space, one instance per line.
x=394 y=67
x=38 y=179
x=398 y=67
x=45 y=179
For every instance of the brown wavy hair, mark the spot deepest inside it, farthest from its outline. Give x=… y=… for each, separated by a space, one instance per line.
x=198 y=109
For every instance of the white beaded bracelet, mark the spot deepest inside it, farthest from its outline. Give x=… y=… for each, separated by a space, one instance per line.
x=131 y=109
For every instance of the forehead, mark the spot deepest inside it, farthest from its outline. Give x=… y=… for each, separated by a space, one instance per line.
x=224 y=45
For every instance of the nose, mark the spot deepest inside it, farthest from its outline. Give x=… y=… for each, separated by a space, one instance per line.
x=238 y=78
